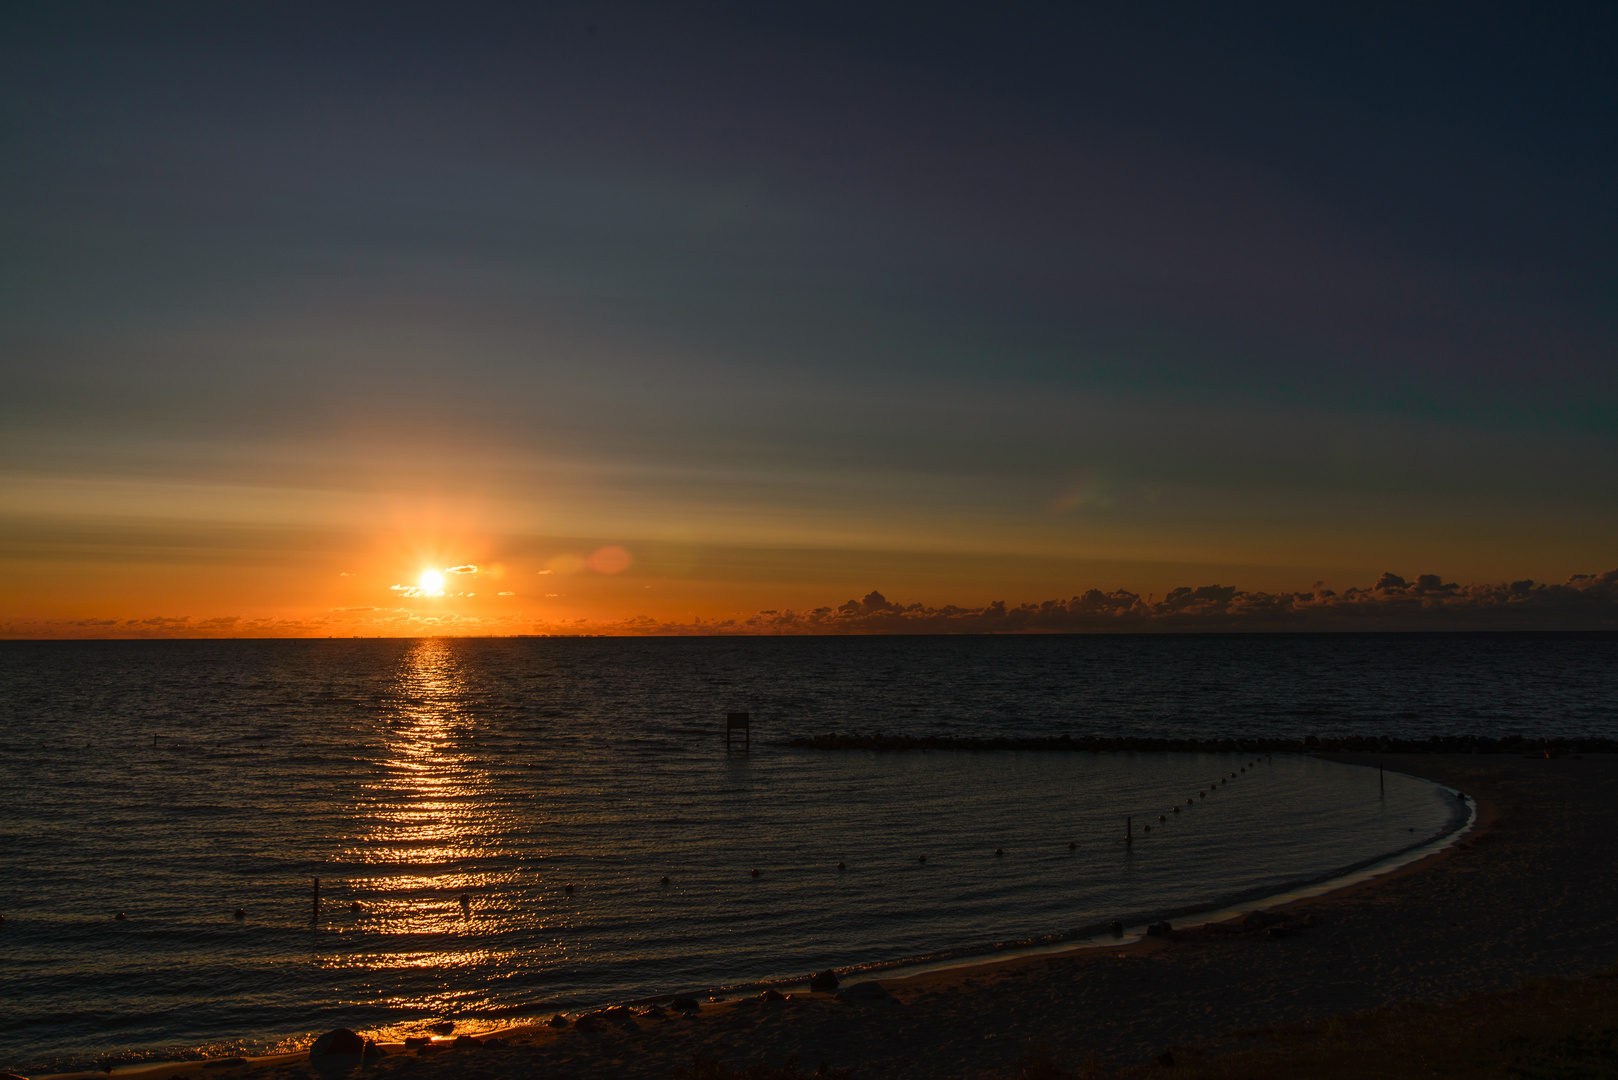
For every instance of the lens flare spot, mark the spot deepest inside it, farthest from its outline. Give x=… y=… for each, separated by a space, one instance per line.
x=609 y=560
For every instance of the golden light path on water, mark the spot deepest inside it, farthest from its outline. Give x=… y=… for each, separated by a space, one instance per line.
x=430 y=815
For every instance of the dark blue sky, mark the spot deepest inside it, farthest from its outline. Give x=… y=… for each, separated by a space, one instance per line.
x=962 y=302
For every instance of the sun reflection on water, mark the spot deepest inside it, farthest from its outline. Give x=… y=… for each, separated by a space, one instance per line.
x=429 y=814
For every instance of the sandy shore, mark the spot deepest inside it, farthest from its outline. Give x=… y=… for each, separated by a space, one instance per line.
x=1527 y=893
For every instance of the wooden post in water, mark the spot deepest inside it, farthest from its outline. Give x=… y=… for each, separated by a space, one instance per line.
x=315 y=916
x=739 y=720
x=1381 y=783
x=1129 y=830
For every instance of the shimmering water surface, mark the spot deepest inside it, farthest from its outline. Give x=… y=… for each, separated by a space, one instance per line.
x=407 y=775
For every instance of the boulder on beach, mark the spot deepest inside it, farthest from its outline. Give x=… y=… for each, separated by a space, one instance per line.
x=466 y=1042
x=771 y=995
x=557 y=1021
x=824 y=982
x=863 y=991
x=337 y=1041
x=684 y=1004
x=587 y=1022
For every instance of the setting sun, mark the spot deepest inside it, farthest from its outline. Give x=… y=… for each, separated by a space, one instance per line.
x=431 y=581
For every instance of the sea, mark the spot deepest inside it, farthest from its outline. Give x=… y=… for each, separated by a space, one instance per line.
x=506 y=828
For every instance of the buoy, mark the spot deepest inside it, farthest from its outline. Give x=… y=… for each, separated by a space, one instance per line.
x=1188 y=802
x=1148 y=828
x=356 y=906
x=1177 y=809
x=665 y=880
x=922 y=859
x=241 y=914
x=997 y=851
x=1071 y=845
x=840 y=866
x=567 y=888
x=119 y=917
x=1160 y=817
x=757 y=872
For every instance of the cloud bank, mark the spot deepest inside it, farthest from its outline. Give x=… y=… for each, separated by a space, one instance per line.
x=1583 y=602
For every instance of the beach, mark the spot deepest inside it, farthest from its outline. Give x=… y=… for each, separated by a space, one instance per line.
x=1523 y=894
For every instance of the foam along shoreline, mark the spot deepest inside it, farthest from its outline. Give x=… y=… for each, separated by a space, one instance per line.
x=961 y=963
x=1463 y=818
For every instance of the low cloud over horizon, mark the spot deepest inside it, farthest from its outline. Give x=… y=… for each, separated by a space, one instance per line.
x=1427 y=603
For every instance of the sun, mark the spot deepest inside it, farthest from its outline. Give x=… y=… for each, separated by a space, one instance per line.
x=431 y=581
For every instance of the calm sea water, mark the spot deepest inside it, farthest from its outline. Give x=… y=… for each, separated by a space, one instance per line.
x=407 y=775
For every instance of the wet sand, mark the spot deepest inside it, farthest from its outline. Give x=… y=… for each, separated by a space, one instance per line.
x=1529 y=892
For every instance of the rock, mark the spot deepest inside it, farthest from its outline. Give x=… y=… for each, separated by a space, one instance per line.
x=466 y=1042
x=373 y=1051
x=824 y=982
x=412 y=1042
x=491 y=1042
x=1276 y=931
x=1159 y=929
x=652 y=1010
x=684 y=1004
x=1166 y=1060
x=863 y=991
x=337 y=1041
x=771 y=995
x=557 y=1021
x=617 y=1012
x=1116 y=927
x=587 y=1022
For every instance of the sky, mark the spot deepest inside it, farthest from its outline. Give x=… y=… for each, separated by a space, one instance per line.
x=670 y=318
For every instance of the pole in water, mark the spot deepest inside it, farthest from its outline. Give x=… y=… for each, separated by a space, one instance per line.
x=1129 y=830
x=154 y=742
x=316 y=914
x=1381 y=784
